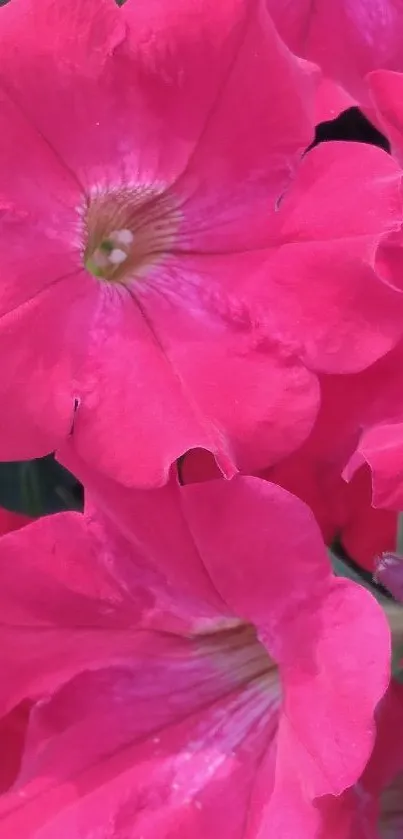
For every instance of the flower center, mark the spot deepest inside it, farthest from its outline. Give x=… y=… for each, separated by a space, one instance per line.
x=128 y=231
x=237 y=650
x=112 y=252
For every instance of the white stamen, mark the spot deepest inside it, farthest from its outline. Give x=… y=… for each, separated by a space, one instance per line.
x=122 y=237
x=117 y=256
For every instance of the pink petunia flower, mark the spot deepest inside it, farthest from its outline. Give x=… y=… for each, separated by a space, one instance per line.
x=347 y=39
x=143 y=151
x=162 y=289
x=201 y=677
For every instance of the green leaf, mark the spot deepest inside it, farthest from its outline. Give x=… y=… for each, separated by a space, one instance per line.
x=118 y=2
x=38 y=487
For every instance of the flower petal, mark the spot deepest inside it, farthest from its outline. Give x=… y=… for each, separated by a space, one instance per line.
x=62 y=609
x=38 y=221
x=386 y=90
x=317 y=628
x=174 y=779
x=349 y=317
x=234 y=178
x=382 y=448
x=71 y=69
x=347 y=39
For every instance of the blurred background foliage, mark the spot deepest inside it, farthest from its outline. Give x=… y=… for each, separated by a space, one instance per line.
x=38 y=487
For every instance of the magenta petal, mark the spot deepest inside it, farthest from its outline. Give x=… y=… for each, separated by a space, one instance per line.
x=70 y=347
x=277 y=398
x=170 y=781
x=38 y=223
x=347 y=39
x=250 y=519
x=129 y=383
x=251 y=165
x=78 y=96
x=38 y=383
x=82 y=344
x=179 y=62
x=57 y=593
x=331 y=100
x=382 y=448
x=177 y=393
x=323 y=233
x=386 y=89
x=360 y=640
x=307 y=619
